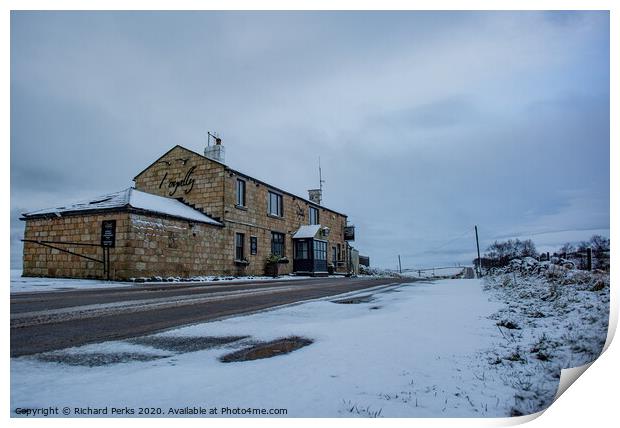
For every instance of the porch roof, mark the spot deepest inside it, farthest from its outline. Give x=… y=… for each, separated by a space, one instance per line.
x=307 y=231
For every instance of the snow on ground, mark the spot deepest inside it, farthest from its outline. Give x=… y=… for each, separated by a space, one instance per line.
x=438 y=273
x=21 y=283
x=553 y=318
x=409 y=352
x=443 y=349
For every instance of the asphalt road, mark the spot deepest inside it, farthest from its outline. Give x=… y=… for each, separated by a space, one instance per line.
x=55 y=320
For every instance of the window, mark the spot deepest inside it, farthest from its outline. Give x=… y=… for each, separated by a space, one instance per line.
x=253 y=245
x=338 y=251
x=275 y=204
x=320 y=250
x=314 y=215
x=239 y=241
x=334 y=256
x=301 y=250
x=277 y=244
x=240 y=193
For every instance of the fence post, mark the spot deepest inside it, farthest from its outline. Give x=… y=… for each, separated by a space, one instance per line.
x=589 y=261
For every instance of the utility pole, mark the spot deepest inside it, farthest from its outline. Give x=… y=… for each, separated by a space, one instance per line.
x=478 y=247
x=400 y=268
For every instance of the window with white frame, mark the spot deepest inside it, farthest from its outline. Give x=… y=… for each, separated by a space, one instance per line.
x=320 y=250
x=314 y=215
x=275 y=204
x=240 y=192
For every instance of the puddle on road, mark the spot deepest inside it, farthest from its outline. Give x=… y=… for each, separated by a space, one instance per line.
x=267 y=349
x=95 y=359
x=185 y=344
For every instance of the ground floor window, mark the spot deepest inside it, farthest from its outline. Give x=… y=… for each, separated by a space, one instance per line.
x=320 y=250
x=277 y=244
x=253 y=245
x=239 y=241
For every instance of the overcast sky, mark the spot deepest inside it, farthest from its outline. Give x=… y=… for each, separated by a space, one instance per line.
x=426 y=123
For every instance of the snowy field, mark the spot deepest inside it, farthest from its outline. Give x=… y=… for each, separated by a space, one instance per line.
x=20 y=284
x=440 y=272
x=412 y=350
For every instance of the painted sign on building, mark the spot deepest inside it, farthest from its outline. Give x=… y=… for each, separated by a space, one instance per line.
x=186 y=183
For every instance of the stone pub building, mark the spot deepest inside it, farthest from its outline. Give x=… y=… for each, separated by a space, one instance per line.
x=189 y=215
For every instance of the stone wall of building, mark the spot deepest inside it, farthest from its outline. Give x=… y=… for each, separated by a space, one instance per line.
x=211 y=187
x=167 y=247
x=146 y=246
x=40 y=260
x=149 y=245
x=254 y=220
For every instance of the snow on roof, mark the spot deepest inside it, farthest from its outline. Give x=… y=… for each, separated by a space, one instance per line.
x=307 y=231
x=132 y=198
x=168 y=206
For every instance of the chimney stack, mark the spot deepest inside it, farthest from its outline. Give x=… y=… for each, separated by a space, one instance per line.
x=315 y=196
x=215 y=152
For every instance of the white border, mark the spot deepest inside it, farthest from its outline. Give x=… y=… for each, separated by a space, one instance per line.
x=591 y=401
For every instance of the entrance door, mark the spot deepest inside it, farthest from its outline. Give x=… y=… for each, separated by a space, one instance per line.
x=302 y=258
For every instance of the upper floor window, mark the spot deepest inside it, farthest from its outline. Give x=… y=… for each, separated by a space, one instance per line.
x=314 y=215
x=275 y=204
x=240 y=192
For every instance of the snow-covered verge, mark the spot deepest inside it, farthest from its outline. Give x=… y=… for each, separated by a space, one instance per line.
x=553 y=317
x=409 y=350
x=21 y=283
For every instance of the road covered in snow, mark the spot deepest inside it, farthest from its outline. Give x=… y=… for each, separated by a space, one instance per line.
x=424 y=349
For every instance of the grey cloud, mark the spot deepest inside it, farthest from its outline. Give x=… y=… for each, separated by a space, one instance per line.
x=426 y=123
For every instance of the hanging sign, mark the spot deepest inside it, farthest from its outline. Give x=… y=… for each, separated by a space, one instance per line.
x=349 y=233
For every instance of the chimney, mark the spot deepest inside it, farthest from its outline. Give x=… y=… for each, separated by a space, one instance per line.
x=315 y=196
x=216 y=152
